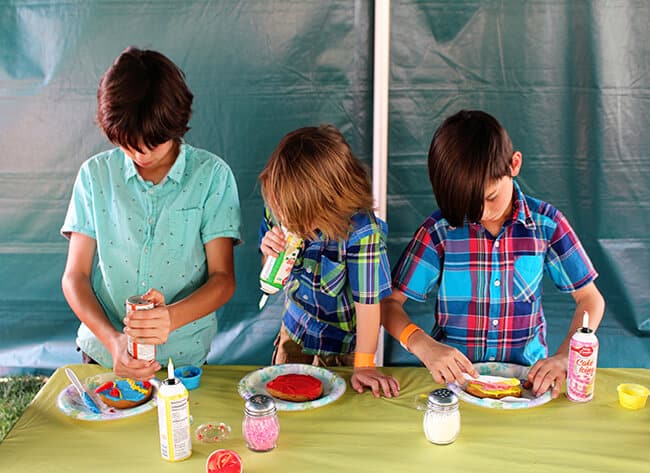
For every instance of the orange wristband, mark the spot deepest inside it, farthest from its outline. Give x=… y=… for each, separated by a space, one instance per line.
x=409 y=330
x=364 y=360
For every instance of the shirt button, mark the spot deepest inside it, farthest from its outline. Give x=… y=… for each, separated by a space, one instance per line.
x=150 y=220
x=143 y=283
x=146 y=250
x=496 y=244
x=491 y=358
x=497 y=283
x=308 y=270
x=495 y=322
x=305 y=297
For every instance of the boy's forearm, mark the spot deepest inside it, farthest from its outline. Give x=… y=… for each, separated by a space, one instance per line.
x=216 y=291
x=81 y=298
x=368 y=322
x=393 y=316
x=591 y=302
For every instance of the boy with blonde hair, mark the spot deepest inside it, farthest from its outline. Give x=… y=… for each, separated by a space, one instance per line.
x=315 y=187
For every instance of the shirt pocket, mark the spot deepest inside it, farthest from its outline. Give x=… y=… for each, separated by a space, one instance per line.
x=332 y=277
x=456 y=285
x=526 y=277
x=183 y=230
x=454 y=296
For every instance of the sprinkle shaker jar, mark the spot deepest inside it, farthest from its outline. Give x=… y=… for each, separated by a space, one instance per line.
x=261 y=427
x=441 y=418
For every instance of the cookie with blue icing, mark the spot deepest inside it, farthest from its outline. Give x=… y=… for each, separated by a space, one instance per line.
x=124 y=393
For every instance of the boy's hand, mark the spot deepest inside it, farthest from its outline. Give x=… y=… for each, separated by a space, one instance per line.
x=124 y=365
x=149 y=327
x=548 y=373
x=446 y=364
x=155 y=296
x=376 y=381
x=273 y=242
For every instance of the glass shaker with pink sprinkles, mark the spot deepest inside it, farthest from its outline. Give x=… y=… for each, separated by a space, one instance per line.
x=261 y=427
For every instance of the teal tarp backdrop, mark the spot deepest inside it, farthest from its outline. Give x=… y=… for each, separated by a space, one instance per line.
x=569 y=80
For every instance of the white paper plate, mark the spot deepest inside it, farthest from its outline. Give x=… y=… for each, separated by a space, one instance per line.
x=506 y=370
x=71 y=404
x=255 y=383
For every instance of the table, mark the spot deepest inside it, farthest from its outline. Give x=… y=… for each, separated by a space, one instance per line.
x=357 y=433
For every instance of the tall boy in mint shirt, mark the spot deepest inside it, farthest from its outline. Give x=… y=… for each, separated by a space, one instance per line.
x=161 y=216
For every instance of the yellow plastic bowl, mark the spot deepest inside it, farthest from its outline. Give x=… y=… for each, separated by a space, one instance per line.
x=632 y=396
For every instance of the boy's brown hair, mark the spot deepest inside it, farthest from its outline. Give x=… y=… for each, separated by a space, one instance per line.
x=468 y=151
x=313 y=182
x=143 y=100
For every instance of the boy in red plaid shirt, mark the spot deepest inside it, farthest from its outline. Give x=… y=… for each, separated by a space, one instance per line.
x=486 y=249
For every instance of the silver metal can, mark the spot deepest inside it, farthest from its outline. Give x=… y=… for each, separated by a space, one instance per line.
x=139 y=351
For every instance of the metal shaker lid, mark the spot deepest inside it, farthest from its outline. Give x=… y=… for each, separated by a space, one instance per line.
x=442 y=398
x=259 y=405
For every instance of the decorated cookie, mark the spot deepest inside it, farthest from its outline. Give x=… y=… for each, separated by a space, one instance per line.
x=124 y=393
x=295 y=387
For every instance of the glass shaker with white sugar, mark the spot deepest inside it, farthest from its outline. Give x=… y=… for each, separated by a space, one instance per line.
x=441 y=418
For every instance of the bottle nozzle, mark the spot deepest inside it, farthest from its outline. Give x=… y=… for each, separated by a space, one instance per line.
x=263 y=300
x=585 y=320
x=170 y=369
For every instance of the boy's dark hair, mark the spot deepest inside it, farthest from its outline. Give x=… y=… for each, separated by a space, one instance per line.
x=143 y=100
x=468 y=151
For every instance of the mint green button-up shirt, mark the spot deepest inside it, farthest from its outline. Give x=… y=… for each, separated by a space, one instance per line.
x=153 y=236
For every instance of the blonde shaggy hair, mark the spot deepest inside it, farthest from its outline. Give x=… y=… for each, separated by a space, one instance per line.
x=314 y=182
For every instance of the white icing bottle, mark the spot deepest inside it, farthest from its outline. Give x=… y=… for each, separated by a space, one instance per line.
x=583 y=358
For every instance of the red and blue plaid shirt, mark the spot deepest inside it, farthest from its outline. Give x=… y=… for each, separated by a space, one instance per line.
x=329 y=276
x=489 y=302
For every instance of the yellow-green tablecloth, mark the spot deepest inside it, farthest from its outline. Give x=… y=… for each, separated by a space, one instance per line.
x=357 y=433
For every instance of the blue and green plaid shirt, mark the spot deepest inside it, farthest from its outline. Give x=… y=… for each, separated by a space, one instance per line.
x=328 y=278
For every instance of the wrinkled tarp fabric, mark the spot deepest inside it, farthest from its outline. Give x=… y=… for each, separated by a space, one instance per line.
x=567 y=79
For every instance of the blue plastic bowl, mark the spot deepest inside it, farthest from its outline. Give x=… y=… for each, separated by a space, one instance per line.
x=189 y=375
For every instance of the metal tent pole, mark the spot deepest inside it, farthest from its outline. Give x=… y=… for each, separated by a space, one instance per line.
x=381 y=73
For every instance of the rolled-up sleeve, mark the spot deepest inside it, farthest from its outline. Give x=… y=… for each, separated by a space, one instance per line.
x=368 y=269
x=80 y=216
x=222 y=213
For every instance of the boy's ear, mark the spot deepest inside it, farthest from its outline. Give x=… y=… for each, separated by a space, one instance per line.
x=515 y=163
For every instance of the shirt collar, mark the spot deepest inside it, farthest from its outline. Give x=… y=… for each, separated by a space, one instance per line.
x=129 y=167
x=178 y=168
x=520 y=210
x=175 y=173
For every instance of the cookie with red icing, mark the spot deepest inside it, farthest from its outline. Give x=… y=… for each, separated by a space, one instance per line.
x=295 y=387
x=124 y=393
